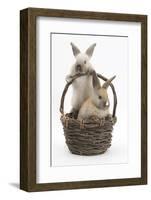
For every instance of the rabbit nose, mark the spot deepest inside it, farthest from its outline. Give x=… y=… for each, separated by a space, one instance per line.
x=78 y=68
x=106 y=104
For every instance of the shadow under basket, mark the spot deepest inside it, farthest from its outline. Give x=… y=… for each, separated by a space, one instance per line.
x=89 y=137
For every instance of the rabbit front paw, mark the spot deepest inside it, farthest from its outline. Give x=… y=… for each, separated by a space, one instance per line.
x=90 y=72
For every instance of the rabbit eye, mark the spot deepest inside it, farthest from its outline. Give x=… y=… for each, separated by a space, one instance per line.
x=100 y=97
x=85 y=62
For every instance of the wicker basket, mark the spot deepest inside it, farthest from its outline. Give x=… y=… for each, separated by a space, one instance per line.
x=89 y=137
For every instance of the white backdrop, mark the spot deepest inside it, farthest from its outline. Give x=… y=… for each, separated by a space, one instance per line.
x=9 y=101
x=110 y=58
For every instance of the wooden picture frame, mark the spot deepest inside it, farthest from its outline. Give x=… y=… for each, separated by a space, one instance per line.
x=28 y=98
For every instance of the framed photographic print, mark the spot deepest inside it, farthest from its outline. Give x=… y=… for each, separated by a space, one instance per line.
x=83 y=99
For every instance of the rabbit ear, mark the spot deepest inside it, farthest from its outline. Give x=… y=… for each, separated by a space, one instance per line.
x=95 y=81
x=90 y=50
x=107 y=83
x=75 y=49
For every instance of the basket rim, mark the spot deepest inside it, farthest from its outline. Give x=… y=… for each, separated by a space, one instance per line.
x=66 y=119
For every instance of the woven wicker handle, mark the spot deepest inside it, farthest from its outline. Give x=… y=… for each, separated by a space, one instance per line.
x=84 y=74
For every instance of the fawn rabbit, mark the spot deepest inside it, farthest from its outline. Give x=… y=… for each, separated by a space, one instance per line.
x=81 y=86
x=97 y=105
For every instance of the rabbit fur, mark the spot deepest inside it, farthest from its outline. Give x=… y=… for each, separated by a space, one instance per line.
x=82 y=85
x=97 y=105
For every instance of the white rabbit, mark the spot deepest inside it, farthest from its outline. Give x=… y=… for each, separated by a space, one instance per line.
x=81 y=86
x=97 y=105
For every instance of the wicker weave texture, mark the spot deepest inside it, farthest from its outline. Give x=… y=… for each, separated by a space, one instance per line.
x=88 y=138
